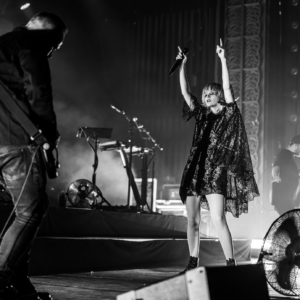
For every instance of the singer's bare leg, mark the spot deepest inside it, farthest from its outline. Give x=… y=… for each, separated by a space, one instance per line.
x=193 y=210
x=216 y=205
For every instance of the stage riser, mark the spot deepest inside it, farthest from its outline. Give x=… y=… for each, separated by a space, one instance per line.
x=71 y=240
x=67 y=255
x=62 y=222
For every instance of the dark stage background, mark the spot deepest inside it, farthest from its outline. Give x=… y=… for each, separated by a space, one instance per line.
x=120 y=52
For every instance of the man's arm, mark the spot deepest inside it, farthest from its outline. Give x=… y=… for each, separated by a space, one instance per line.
x=276 y=173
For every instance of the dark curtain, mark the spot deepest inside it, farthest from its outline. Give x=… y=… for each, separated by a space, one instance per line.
x=282 y=73
x=155 y=97
x=282 y=81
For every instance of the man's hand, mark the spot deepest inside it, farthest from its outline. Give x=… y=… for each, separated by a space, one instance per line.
x=57 y=141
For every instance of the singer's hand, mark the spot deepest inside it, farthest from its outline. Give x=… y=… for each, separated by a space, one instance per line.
x=277 y=178
x=181 y=55
x=220 y=50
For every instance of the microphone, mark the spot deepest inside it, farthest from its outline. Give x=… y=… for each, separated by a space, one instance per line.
x=118 y=110
x=178 y=61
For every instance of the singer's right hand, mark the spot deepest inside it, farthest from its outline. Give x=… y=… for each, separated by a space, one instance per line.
x=181 y=56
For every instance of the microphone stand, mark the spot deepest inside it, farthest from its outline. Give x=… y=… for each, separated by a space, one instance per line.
x=153 y=173
x=142 y=130
x=131 y=126
x=145 y=135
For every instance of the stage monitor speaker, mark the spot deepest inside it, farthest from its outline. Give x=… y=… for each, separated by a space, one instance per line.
x=170 y=191
x=247 y=282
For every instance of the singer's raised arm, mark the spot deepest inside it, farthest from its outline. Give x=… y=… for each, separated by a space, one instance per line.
x=184 y=85
x=225 y=74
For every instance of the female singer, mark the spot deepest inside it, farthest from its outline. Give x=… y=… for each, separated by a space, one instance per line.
x=218 y=175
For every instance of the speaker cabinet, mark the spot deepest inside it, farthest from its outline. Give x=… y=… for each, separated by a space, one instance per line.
x=247 y=282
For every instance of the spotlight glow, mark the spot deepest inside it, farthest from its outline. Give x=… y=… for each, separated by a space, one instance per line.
x=24 y=6
x=256 y=244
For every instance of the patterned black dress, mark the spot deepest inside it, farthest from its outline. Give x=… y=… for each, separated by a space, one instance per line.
x=219 y=160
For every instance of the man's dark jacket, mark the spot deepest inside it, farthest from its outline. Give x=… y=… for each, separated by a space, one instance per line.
x=25 y=72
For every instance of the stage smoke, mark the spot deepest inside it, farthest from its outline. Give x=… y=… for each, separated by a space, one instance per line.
x=77 y=161
x=77 y=157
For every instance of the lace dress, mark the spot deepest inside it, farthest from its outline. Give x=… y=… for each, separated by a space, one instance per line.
x=219 y=160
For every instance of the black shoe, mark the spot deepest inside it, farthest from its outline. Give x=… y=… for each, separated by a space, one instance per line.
x=9 y=293
x=193 y=263
x=230 y=262
x=44 y=296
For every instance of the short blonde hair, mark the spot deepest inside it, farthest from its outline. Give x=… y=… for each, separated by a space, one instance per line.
x=217 y=89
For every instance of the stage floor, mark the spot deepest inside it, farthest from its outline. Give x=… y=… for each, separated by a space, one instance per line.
x=106 y=285
x=84 y=254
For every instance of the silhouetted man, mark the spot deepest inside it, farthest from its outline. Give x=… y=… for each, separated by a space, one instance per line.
x=25 y=74
x=286 y=177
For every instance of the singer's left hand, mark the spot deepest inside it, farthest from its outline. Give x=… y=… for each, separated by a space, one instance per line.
x=220 y=50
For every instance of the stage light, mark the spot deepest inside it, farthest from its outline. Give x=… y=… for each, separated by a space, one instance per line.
x=294 y=94
x=294 y=71
x=256 y=244
x=294 y=25
x=24 y=6
x=294 y=48
x=293 y=118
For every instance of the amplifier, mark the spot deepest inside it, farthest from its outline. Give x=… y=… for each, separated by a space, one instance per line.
x=170 y=207
x=170 y=202
x=170 y=191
